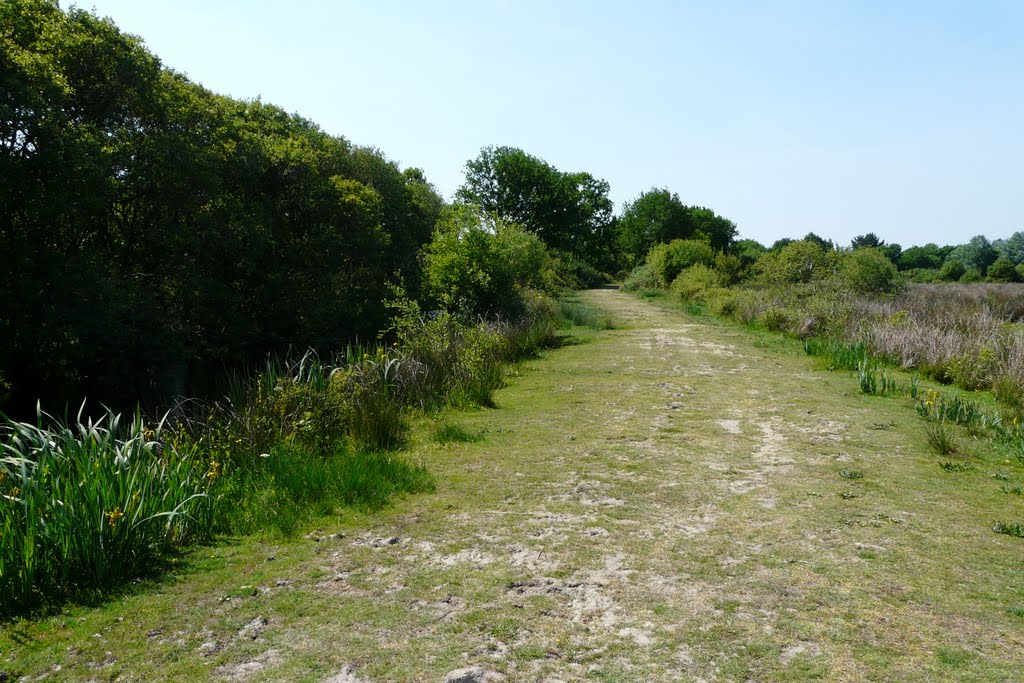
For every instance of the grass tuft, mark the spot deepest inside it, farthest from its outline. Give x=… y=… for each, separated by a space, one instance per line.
x=940 y=438
x=446 y=433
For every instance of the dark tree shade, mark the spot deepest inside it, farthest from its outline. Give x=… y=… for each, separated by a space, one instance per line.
x=155 y=233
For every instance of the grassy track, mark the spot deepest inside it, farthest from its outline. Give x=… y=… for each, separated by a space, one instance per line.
x=660 y=502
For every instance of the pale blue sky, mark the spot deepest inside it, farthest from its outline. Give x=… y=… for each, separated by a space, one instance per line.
x=901 y=118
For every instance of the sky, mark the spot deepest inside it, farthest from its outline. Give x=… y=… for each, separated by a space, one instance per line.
x=905 y=119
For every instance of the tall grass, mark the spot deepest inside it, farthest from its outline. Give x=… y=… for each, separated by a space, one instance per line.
x=86 y=505
x=583 y=315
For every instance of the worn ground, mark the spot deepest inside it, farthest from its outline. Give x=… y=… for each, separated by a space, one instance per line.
x=659 y=502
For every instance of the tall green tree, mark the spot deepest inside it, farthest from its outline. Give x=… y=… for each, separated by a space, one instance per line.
x=658 y=216
x=570 y=212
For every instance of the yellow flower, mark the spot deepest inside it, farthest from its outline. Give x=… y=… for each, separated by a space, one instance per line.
x=214 y=471
x=135 y=497
x=113 y=516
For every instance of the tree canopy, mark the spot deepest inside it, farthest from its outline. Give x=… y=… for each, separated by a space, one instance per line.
x=570 y=212
x=658 y=216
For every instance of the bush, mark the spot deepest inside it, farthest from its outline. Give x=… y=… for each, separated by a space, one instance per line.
x=797 y=262
x=474 y=268
x=692 y=282
x=668 y=260
x=972 y=275
x=869 y=271
x=951 y=271
x=573 y=273
x=641 y=278
x=1003 y=270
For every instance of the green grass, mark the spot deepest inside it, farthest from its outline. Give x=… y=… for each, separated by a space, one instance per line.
x=286 y=489
x=580 y=314
x=91 y=504
x=446 y=433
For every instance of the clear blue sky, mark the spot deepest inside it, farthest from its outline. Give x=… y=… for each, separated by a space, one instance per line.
x=901 y=118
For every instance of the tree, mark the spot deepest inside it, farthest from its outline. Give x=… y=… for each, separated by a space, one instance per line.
x=927 y=256
x=568 y=211
x=825 y=244
x=868 y=241
x=1012 y=247
x=668 y=260
x=978 y=254
x=474 y=267
x=658 y=216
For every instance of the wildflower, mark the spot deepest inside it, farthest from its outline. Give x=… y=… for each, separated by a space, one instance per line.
x=113 y=516
x=214 y=471
x=135 y=497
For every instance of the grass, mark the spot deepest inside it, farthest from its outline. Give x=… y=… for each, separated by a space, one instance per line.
x=448 y=433
x=648 y=543
x=580 y=314
x=940 y=438
x=87 y=505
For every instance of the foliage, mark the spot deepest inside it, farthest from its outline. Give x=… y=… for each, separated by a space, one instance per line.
x=694 y=281
x=86 y=505
x=868 y=241
x=164 y=233
x=479 y=268
x=659 y=216
x=868 y=271
x=978 y=254
x=797 y=262
x=668 y=260
x=952 y=271
x=1003 y=270
x=642 y=278
x=570 y=212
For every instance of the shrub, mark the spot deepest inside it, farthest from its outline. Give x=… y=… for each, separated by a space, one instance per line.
x=951 y=271
x=869 y=271
x=972 y=275
x=797 y=262
x=476 y=268
x=641 y=278
x=1003 y=270
x=693 y=281
x=668 y=260
x=572 y=273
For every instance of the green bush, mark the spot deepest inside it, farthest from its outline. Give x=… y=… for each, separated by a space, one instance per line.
x=476 y=268
x=668 y=260
x=972 y=275
x=797 y=262
x=1003 y=270
x=693 y=281
x=952 y=271
x=641 y=278
x=869 y=271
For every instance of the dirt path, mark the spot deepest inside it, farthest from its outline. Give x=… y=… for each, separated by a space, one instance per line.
x=661 y=503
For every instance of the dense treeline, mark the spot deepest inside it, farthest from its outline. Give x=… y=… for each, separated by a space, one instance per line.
x=154 y=233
